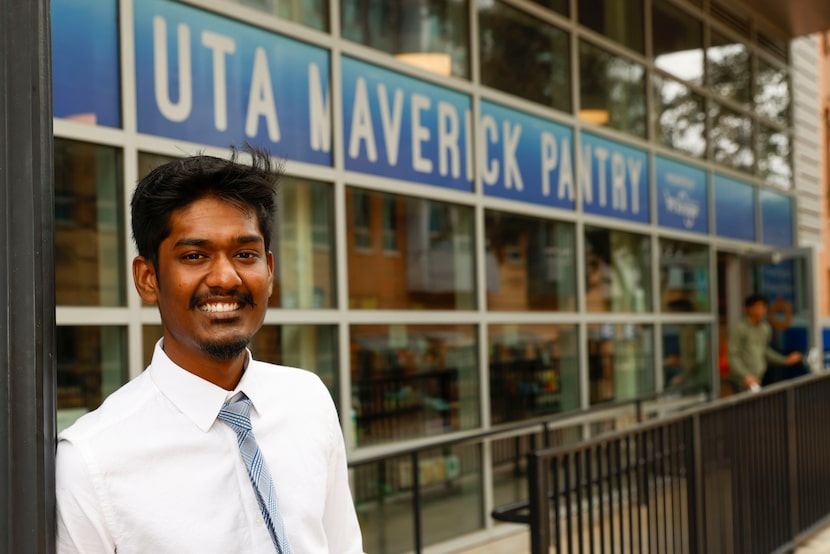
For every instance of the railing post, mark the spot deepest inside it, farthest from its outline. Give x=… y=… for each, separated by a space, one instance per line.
x=694 y=486
x=792 y=448
x=537 y=485
x=416 y=503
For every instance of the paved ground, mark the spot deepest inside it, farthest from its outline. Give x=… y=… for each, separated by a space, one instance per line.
x=819 y=544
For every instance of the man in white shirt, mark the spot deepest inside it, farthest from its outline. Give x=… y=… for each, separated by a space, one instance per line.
x=153 y=469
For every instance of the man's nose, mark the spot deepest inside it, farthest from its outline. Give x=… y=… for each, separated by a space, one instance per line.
x=223 y=273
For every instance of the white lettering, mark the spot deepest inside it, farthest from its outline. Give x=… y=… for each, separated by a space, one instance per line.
x=319 y=111
x=619 y=195
x=178 y=111
x=448 y=151
x=550 y=159
x=261 y=99
x=490 y=134
x=683 y=206
x=512 y=174
x=586 y=176
x=391 y=122
x=635 y=168
x=468 y=144
x=221 y=46
x=602 y=156
x=566 y=172
x=362 y=124
x=420 y=134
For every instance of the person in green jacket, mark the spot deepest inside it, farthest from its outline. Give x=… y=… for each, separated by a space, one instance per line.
x=749 y=349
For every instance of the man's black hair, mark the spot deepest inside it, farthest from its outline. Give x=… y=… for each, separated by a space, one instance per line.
x=753 y=299
x=179 y=183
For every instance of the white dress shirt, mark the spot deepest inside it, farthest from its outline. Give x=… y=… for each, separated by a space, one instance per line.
x=153 y=470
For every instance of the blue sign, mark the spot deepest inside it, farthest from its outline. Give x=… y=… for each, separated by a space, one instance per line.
x=734 y=208
x=682 y=196
x=526 y=158
x=777 y=227
x=614 y=179
x=85 y=66
x=401 y=127
x=207 y=79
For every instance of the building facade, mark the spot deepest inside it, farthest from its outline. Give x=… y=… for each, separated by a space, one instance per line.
x=493 y=210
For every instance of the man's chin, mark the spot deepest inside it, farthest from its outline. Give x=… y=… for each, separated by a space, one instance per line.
x=225 y=350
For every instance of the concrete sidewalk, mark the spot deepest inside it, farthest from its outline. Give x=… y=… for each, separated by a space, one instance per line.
x=818 y=544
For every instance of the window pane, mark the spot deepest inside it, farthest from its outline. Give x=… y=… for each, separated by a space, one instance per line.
x=681 y=119
x=618 y=271
x=434 y=265
x=91 y=364
x=619 y=21
x=430 y=34
x=559 y=6
x=303 y=246
x=729 y=64
x=774 y=161
x=678 y=41
x=620 y=361
x=772 y=92
x=312 y=13
x=529 y=263
x=85 y=64
x=686 y=357
x=383 y=497
x=611 y=90
x=731 y=138
x=507 y=35
x=684 y=276
x=89 y=228
x=412 y=381
x=534 y=370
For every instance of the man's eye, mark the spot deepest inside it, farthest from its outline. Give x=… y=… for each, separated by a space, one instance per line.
x=247 y=255
x=192 y=256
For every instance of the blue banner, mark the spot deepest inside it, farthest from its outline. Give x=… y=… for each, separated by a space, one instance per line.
x=614 y=179
x=207 y=79
x=526 y=158
x=734 y=208
x=682 y=195
x=85 y=65
x=777 y=226
x=401 y=127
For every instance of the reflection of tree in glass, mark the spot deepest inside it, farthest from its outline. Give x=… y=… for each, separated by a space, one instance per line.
x=681 y=121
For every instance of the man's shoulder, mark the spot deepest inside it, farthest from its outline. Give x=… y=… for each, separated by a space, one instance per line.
x=120 y=407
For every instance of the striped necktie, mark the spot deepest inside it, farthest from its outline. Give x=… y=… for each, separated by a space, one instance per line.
x=237 y=416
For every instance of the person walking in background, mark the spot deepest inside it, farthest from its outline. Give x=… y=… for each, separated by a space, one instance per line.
x=749 y=349
x=208 y=450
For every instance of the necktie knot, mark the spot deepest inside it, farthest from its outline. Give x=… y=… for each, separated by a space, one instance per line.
x=237 y=414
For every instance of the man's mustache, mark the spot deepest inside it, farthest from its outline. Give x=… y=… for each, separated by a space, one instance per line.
x=242 y=297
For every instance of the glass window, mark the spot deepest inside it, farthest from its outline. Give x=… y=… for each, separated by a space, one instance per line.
x=620 y=361
x=559 y=6
x=731 y=138
x=617 y=270
x=729 y=62
x=612 y=90
x=312 y=13
x=772 y=92
x=686 y=358
x=303 y=246
x=435 y=268
x=528 y=263
x=684 y=276
x=507 y=35
x=430 y=34
x=448 y=477
x=89 y=227
x=677 y=41
x=412 y=381
x=534 y=370
x=774 y=161
x=85 y=64
x=680 y=121
x=619 y=21
x=92 y=362
x=390 y=224
x=148 y=162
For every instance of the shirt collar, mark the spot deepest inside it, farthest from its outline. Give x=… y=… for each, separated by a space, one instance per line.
x=199 y=399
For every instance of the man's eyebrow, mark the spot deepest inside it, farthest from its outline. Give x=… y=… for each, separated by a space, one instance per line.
x=244 y=239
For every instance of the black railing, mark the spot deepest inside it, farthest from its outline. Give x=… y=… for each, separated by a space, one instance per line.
x=745 y=474
x=396 y=475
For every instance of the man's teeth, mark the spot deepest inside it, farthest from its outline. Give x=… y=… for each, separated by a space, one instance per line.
x=223 y=307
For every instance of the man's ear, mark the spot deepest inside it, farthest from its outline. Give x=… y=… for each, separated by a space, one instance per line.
x=144 y=276
x=270 y=259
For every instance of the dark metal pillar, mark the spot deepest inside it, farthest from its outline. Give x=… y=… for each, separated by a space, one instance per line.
x=27 y=290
